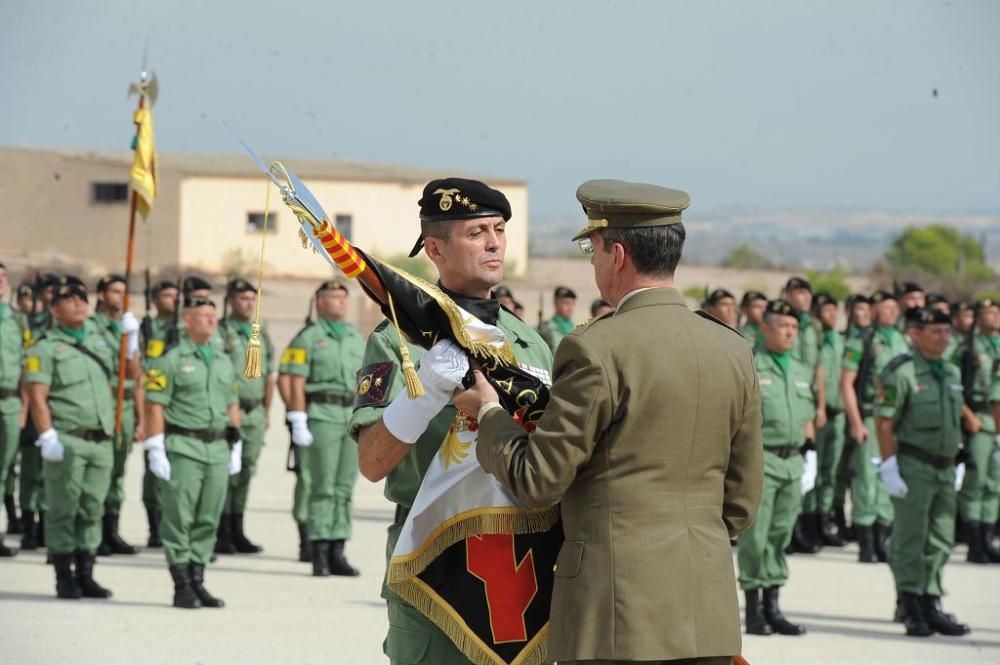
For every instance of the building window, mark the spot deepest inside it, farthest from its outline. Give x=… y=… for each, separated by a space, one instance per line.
x=108 y=192
x=344 y=224
x=255 y=222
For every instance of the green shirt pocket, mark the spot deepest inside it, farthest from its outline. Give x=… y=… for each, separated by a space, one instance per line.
x=70 y=371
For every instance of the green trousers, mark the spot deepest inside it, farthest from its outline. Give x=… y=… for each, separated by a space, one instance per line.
x=116 y=492
x=300 y=495
x=75 y=489
x=924 y=531
x=869 y=501
x=150 y=487
x=31 y=489
x=761 y=554
x=829 y=449
x=192 y=503
x=333 y=469
x=979 y=498
x=239 y=484
x=10 y=440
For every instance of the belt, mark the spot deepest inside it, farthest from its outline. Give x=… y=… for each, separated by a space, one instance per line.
x=867 y=413
x=206 y=435
x=94 y=435
x=340 y=400
x=250 y=404
x=833 y=412
x=979 y=407
x=9 y=392
x=917 y=453
x=784 y=452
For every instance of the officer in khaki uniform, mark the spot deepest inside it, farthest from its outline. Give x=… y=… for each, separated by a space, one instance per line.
x=317 y=385
x=255 y=401
x=111 y=322
x=917 y=419
x=11 y=408
x=68 y=372
x=193 y=418
x=652 y=450
x=398 y=437
x=561 y=323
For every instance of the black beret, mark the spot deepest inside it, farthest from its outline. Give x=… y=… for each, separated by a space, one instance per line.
x=798 y=283
x=25 y=289
x=195 y=283
x=962 y=306
x=46 y=280
x=823 y=299
x=986 y=303
x=197 y=301
x=564 y=292
x=908 y=287
x=936 y=298
x=69 y=286
x=781 y=307
x=332 y=285
x=106 y=281
x=881 y=295
x=858 y=298
x=752 y=296
x=162 y=286
x=717 y=295
x=239 y=285
x=448 y=199
x=502 y=292
x=922 y=316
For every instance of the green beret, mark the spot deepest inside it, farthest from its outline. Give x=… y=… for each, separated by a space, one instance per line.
x=624 y=205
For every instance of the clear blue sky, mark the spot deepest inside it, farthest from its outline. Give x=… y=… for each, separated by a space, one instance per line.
x=767 y=105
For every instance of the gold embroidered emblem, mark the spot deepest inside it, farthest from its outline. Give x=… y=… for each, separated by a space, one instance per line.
x=453 y=451
x=365 y=384
x=446 y=194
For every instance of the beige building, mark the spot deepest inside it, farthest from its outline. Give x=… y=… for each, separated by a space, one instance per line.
x=73 y=205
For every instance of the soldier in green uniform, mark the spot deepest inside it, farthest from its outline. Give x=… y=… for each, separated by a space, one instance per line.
x=69 y=371
x=193 y=419
x=398 y=437
x=317 y=385
x=11 y=406
x=158 y=332
x=561 y=324
x=865 y=354
x=909 y=295
x=20 y=312
x=788 y=406
x=255 y=402
x=111 y=322
x=979 y=498
x=721 y=304
x=752 y=306
x=917 y=421
x=818 y=504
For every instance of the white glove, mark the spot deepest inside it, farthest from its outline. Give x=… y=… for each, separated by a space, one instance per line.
x=159 y=465
x=894 y=484
x=236 y=458
x=52 y=447
x=301 y=436
x=130 y=326
x=809 y=472
x=959 y=475
x=441 y=371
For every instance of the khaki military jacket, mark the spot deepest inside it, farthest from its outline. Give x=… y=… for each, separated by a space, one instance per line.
x=652 y=441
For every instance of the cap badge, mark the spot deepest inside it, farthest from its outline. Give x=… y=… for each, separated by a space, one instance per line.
x=446 y=194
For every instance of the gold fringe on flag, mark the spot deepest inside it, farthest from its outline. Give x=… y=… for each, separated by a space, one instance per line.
x=414 y=388
x=252 y=363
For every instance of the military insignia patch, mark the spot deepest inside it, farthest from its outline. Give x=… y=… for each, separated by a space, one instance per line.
x=887 y=395
x=374 y=382
x=293 y=356
x=155 y=348
x=33 y=364
x=156 y=380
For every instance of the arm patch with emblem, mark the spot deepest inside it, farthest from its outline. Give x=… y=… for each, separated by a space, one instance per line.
x=373 y=384
x=293 y=356
x=156 y=380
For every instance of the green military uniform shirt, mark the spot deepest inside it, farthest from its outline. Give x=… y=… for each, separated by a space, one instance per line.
x=553 y=330
x=752 y=334
x=79 y=383
x=235 y=338
x=328 y=354
x=788 y=404
x=886 y=344
x=11 y=356
x=155 y=333
x=196 y=394
x=807 y=345
x=831 y=355
x=112 y=332
x=987 y=351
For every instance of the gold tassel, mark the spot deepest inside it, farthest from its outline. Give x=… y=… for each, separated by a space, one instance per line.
x=414 y=388
x=252 y=362
x=251 y=367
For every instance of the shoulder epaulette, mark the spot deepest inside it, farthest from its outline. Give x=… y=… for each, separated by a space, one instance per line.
x=380 y=327
x=589 y=322
x=897 y=362
x=705 y=315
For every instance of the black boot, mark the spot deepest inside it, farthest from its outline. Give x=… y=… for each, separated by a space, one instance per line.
x=989 y=542
x=828 y=532
x=899 y=614
x=773 y=615
x=846 y=533
x=756 y=623
x=198 y=585
x=338 y=562
x=41 y=529
x=974 y=536
x=104 y=549
x=803 y=541
x=153 y=517
x=184 y=595
x=881 y=538
x=224 y=536
x=959 y=530
x=14 y=526
x=240 y=540
x=320 y=558
x=29 y=541
x=938 y=620
x=85 y=577
x=913 y=615
x=6 y=552
x=305 y=550
x=67 y=587
x=118 y=545
x=866 y=544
